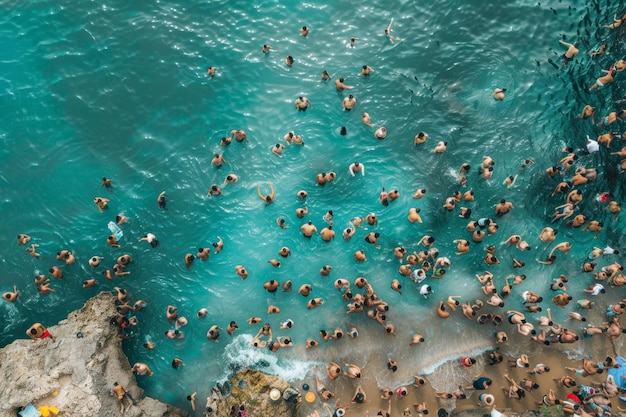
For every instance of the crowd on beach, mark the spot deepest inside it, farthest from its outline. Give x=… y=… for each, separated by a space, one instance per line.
x=572 y=389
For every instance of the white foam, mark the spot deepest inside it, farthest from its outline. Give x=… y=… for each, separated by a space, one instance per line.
x=240 y=353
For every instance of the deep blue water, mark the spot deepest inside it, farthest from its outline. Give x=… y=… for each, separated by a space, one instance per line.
x=121 y=90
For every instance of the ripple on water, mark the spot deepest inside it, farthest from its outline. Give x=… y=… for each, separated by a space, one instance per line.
x=125 y=94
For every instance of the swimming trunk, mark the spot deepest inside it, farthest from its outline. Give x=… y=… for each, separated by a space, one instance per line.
x=510 y=317
x=545 y=401
x=45 y=334
x=599 y=83
x=610 y=313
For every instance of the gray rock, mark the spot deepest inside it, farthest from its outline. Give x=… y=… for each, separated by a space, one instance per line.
x=80 y=371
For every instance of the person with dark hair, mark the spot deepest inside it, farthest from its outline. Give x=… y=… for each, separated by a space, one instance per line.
x=481 y=383
x=38 y=332
x=192 y=399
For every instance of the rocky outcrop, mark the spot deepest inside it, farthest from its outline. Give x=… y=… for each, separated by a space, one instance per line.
x=253 y=389
x=75 y=374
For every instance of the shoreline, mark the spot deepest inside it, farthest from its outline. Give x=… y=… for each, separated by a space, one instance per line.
x=75 y=371
x=101 y=351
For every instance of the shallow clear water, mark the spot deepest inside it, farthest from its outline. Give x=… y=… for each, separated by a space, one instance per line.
x=120 y=89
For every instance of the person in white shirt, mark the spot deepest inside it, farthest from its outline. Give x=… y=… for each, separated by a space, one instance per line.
x=356 y=167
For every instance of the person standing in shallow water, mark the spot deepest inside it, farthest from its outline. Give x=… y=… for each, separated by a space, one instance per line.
x=269 y=199
x=302 y=103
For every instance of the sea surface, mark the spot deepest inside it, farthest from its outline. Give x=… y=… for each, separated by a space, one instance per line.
x=120 y=89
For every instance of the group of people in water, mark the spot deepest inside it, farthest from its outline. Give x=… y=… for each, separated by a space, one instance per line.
x=427 y=263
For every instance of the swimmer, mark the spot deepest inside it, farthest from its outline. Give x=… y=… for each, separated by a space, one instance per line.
x=572 y=50
x=356 y=167
x=277 y=149
x=498 y=94
x=420 y=138
x=102 y=203
x=325 y=270
x=211 y=71
x=23 y=239
x=396 y=286
x=11 y=296
x=215 y=190
x=289 y=61
x=340 y=85
x=441 y=311
x=326 y=76
x=608 y=77
x=510 y=181
x=388 y=31
x=241 y=271
x=203 y=253
x=365 y=118
x=56 y=272
x=189 y=258
x=266 y=49
x=348 y=233
x=213 y=334
x=32 y=250
x=503 y=207
x=417 y=339
x=161 y=200
x=381 y=133
x=441 y=147
x=462 y=246
x=89 y=283
x=218 y=160
x=231 y=179
x=302 y=103
x=141 y=368
x=327 y=233
x=419 y=193
x=588 y=112
x=614 y=208
x=348 y=103
x=232 y=326
x=121 y=219
x=304 y=31
x=269 y=199
x=616 y=22
x=414 y=215
x=353 y=42
x=151 y=239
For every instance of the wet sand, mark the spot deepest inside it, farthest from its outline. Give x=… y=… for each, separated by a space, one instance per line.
x=556 y=357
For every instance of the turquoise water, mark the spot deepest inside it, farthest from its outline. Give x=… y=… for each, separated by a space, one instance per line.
x=121 y=90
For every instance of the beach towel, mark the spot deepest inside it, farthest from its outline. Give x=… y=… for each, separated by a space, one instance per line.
x=619 y=374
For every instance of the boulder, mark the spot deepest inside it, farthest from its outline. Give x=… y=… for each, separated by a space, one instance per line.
x=75 y=373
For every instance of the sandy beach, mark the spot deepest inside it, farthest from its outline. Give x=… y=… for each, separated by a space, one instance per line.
x=556 y=357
